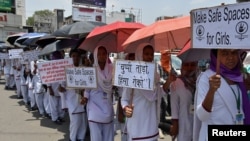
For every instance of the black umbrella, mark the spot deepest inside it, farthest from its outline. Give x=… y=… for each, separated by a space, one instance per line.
x=59 y=45
x=12 y=38
x=63 y=31
x=77 y=29
x=4 y=47
x=84 y=27
x=45 y=40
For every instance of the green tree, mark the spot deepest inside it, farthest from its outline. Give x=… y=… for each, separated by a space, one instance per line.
x=41 y=13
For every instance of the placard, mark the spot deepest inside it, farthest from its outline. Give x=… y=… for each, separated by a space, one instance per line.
x=134 y=74
x=53 y=71
x=15 y=53
x=4 y=56
x=31 y=55
x=81 y=77
x=225 y=26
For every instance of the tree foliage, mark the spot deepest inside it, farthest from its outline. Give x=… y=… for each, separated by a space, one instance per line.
x=41 y=13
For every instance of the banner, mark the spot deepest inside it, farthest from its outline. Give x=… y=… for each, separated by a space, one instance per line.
x=15 y=53
x=98 y=3
x=134 y=74
x=88 y=14
x=31 y=55
x=224 y=26
x=4 y=56
x=53 y=71
x=81 y=77
x=5 y=5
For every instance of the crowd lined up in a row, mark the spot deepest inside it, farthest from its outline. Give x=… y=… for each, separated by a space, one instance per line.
x=198 y=99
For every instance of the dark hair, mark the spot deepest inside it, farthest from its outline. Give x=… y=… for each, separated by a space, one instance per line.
x=74 y=50
x=148 y=46
x=103 y=48
x=214 y=52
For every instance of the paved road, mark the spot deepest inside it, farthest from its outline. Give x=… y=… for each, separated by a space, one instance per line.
x=19 y=124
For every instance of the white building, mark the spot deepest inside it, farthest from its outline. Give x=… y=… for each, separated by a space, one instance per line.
x=123 y=16
x=10 y=24
x=20 y=10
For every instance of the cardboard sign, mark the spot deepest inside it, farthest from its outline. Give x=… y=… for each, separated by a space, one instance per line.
x=224 y=26
x=53 y=71
x=15 y=53
x=81 y=77
x=31 y=55
x=134 y=74
x=4 y=56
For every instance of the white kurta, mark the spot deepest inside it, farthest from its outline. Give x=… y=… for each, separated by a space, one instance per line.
x=181 y=100
x=143 y=125
x=99 y=106
x=224 y=108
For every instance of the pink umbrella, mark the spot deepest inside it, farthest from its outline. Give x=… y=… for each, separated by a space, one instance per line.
x=110 y=36
x=165 y=34
x=189 y=54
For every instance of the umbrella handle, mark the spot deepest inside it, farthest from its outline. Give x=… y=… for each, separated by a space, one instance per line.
x=218 y=63
x=131 y=98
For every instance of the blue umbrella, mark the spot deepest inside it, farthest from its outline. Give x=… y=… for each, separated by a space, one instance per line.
x=30 y=37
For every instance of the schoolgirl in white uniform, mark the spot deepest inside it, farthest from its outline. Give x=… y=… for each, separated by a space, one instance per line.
x=99 y=101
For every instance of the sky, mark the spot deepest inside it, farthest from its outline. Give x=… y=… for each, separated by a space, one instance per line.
x=148 y=9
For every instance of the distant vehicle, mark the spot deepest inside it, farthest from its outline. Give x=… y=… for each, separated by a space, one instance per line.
x=175 y=62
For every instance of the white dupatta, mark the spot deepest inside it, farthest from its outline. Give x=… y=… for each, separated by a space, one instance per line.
x=104 y=77
x=150 y=95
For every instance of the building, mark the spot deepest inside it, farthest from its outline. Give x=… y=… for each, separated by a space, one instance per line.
x=20 y=10
x=124 y=16
x=10 y=22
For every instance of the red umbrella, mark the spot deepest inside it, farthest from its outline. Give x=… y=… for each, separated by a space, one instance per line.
x=165 y=34
x=110 y=36
x=189 y=54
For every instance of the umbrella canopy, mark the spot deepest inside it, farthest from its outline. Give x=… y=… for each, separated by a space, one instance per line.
x=12 y=38
x=189 y=54
x=4 y=46
x=32 y=40
x=63 y=31
x=81 y=28
x=111 y=36
x=59 y=45
x=48 y=39
x=164 y=34
x=31 y=36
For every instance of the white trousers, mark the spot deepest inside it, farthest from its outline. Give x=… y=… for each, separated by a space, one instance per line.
x=24 y=90
x=18 y=86
x=101 y=132
x=12 y=81
x=78 y=126
x=7 y=80
x=39 y=102
x=56 y=107
x=32 y=98
x=46 y=103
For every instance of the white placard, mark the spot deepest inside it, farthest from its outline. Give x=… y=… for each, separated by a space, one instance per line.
x=15 y=53
x=221 y=27
x=53 y=71
x=31 y=55
x=134 y=74
x=81 y=77
x=4 y=56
